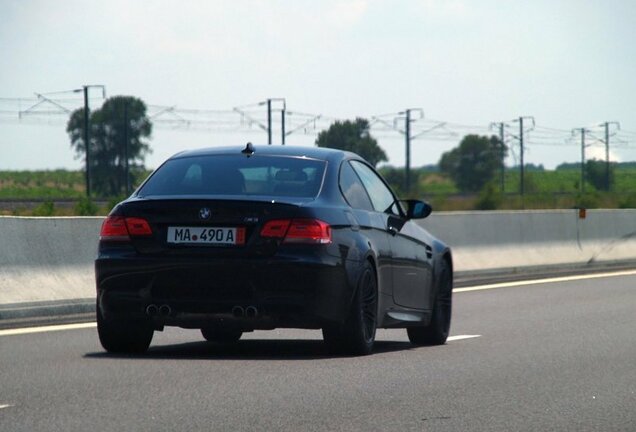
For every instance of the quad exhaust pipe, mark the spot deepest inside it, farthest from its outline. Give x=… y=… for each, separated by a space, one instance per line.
x=248 y=312
x=153 y=310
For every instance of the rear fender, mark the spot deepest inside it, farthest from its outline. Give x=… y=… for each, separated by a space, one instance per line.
x=441 y=253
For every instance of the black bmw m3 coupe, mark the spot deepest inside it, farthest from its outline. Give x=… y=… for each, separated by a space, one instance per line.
x=235 y=239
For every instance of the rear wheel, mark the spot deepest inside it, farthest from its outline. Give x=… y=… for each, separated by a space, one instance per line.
x=436 y=332
x=357 y=334
x=123 y=336
x=215 y=334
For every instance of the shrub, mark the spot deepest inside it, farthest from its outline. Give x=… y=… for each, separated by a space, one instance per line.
x=588 y=200
x=85 y=207
x=489 y=198
x=627 y=202
x=47 y=208
x=114 y=201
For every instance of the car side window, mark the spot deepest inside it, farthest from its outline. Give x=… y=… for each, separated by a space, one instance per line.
x=381 y=196
x=352 y=188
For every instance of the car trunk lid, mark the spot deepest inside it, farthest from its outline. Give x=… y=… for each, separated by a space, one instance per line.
x=207 y=227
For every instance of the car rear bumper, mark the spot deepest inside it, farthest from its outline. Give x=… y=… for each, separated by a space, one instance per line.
x=283 y=292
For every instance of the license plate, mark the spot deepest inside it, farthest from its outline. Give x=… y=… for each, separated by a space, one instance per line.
x=206 y=235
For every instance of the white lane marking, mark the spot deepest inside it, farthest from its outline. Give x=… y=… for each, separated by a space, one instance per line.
x=461 y=337
x=93 y=325
x=43 y=329
x=11 y=332
x=545 y=281
x=5 y=406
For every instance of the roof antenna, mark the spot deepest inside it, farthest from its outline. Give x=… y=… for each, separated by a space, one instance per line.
x=248 y=150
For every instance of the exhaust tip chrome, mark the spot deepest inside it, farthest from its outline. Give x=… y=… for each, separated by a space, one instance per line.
x=152 y=310
x=165 y=310
x=251 y=312
x=238 y=311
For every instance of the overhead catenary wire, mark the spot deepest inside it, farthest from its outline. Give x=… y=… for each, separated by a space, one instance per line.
x=52 y=109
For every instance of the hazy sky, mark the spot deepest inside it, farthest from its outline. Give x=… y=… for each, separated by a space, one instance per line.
x=570 y=64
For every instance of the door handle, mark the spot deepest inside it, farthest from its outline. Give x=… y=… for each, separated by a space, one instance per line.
x=392 y=230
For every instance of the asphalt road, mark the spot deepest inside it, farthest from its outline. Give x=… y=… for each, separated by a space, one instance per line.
x=557 y=356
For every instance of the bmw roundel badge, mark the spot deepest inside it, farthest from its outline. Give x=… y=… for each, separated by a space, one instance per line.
x=205 y=213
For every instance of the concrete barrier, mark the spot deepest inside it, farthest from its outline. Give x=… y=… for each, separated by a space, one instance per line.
x=45 y=259
x=51 y=259
x=517 y=241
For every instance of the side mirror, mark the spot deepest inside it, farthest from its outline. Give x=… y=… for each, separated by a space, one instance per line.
x=417 y=209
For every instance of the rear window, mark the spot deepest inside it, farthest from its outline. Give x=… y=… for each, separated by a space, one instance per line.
x=237 y=175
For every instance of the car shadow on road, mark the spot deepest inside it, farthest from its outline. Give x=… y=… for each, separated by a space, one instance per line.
x=270 y=349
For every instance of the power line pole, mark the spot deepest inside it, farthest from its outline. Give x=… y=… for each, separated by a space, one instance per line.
x=582 y=131
x=521 y=166
x=582 y=161
x=269 y=118
x=408 y=119
x=407 y=144
x=502 y=152
x=87 y=132
x=86 y=141
x=266 y=127
x=126 y=149
x=521 y=152
x=282 y=126
x=269 y=122
x=607 y=161
x=607 y=152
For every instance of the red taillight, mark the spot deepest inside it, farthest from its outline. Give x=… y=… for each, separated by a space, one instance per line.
x=275 y=228
x=138 y=227
x=308 y=231
x=114 y=228
x=119 y=228
x=298 y=230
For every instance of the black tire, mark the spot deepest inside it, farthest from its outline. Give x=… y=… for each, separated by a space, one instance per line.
x=221 y=335
x=437 y=331
x=356 y=335
x=124 y=336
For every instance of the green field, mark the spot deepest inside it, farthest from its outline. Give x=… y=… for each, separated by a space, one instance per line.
x=41 y=184
x=543 y=190
x=48 y=187
x=561 y=181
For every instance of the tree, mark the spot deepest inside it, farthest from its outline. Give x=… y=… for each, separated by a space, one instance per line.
x=352 y=136
x=596 y=173
x=474 y=162
x=117 y=132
